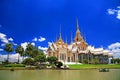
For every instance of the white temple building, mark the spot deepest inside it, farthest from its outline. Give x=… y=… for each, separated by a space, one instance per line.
x=77 y=51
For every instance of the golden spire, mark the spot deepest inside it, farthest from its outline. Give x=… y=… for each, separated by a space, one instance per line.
x=77 y=26
x=71 y=38
x=78 y=36
x=60 y=33
x=66 y=40
x=85 y=37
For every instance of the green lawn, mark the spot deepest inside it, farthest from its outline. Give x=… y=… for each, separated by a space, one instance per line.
x=72 y=66
x=94 y=66
x=8 y=68
x=15 y=66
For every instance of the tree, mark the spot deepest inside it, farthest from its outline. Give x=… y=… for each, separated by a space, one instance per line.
x=20 y=50
x=28 y=61
x=40 y=58
x=29 y=50
x=117 y=60
x=8 y=48
x=52 y=59
x=112 y=61
x=36 y=52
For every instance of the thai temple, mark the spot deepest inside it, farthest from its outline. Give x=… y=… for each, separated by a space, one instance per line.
x=78 y=50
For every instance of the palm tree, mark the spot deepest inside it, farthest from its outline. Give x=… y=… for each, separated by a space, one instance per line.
x=29 y=50
x=35 y=52
x=19 y=50
x=8 y=48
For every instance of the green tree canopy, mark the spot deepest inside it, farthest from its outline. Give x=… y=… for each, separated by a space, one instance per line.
x=40 y=58
x=36 y=52
x=114 y=61
x=52 y=59
x=8 y=48
x=20 y=50
x=29 y=50
x=28 y=61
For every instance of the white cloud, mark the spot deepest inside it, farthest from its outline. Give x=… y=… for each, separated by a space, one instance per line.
x=114 y=45
x=42 y=48
x=35 y=39
x=1 y=49
x=115 y=49
x=2 y=35
x=24 y=45
x=115 y=11
x=3 y=38
x=33 y=43
x=49 y=43
x=118 y=14
x=10 y=39
x=110 y=11
x=15 y=44
x=41 y=39
x=12 y=57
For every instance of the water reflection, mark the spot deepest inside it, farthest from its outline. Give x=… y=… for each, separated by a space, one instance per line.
x=59 y=75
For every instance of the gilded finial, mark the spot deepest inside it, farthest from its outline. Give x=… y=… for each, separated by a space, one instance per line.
x=60 y=32
x=77 y=25
x=66 y=40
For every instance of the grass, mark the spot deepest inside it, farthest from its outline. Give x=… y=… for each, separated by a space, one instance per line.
x=9 y=66
x=72 y=66
x=94 y=66
x=14 y=65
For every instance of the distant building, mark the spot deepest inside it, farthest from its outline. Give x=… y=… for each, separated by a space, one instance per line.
x=78 y=50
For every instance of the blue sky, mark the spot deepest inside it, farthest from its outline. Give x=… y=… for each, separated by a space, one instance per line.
x=38 y=21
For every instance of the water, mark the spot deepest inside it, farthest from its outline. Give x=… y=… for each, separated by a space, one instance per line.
x=114 y=74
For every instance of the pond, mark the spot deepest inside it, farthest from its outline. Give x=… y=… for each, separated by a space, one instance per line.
x=114 y=74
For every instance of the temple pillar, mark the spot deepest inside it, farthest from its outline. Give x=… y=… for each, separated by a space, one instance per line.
x=66 y=58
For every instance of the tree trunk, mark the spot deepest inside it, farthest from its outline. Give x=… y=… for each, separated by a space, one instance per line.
x=18 y=58
x=22 y=58
x=8 y=57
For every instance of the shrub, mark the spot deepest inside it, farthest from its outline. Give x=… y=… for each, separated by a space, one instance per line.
x=85 y=61
x=28 y=61
x=52 y=59
x=6 y=62
x=59 y=64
